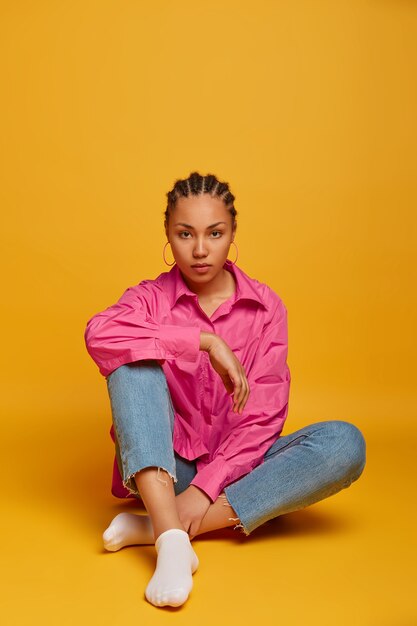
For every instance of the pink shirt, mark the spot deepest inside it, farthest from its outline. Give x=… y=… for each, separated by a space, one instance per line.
x=161 y=319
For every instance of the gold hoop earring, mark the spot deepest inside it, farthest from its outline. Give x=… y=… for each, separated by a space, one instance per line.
x=237 y=253
x=163 y=254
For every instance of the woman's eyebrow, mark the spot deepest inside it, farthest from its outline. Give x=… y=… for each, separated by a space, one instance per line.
x=192 y=227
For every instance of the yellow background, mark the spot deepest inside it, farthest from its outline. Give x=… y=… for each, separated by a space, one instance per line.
x=308 y=110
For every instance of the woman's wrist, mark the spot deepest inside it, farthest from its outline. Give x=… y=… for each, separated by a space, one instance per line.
x=207 y=341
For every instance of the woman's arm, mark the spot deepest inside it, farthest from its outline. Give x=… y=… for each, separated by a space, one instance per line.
x=128 y=331
x=229 y=368
x=253 y=431
x=193 y=503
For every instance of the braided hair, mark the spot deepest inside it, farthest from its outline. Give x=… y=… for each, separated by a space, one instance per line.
x=196 y=185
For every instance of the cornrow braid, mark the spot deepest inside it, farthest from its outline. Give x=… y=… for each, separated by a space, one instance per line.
x=195 y=185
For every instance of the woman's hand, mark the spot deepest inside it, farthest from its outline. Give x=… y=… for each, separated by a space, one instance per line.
x=228 y=367
x=192 y=505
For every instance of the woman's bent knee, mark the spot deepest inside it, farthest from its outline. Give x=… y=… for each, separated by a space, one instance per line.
x=345 y=450
x=352 y=446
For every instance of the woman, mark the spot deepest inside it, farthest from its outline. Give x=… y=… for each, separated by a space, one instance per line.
x=197 y=374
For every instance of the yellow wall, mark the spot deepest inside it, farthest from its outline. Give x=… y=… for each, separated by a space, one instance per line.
x=307 y=109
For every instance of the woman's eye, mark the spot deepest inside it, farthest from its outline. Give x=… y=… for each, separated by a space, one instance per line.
x=185 y=234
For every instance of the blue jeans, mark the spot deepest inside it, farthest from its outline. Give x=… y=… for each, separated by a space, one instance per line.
x=299 y=469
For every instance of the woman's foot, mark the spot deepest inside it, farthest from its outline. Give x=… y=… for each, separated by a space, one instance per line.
x=128 y=529
x=172 y=581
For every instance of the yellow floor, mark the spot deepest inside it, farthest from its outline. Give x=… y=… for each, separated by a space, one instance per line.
x=348 y=560
x=308 y=109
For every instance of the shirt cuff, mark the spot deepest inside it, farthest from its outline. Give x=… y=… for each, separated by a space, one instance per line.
x=180 y=342
x=212 y=477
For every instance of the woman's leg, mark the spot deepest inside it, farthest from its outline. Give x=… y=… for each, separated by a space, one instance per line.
x=143 y=424
x=299 y=469
x=128 y=529
x=219 y=514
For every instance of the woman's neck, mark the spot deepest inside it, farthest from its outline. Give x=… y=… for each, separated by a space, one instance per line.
x=222 y=286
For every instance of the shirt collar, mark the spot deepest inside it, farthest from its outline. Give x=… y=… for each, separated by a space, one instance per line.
x=175 y=286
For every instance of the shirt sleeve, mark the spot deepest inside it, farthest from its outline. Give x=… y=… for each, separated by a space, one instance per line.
x=251 y=434
x=129 y=331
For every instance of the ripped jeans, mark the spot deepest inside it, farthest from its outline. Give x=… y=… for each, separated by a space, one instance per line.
x=299 y=469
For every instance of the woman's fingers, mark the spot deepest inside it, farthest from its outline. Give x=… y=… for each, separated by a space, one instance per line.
x=193 y=529
x=237 y=386
x=245 y=392
x=241 y=392
x=236 y=399
x=230 y=369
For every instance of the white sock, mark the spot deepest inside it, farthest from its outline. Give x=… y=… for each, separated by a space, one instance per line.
x=172 y=581
x=128 y=529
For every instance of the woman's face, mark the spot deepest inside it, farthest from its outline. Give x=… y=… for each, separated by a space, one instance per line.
x=200 y=233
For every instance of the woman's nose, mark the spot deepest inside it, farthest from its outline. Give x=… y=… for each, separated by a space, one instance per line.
x=200 y=248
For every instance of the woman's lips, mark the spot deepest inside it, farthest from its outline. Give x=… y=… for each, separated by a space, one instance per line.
x=201 y=269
